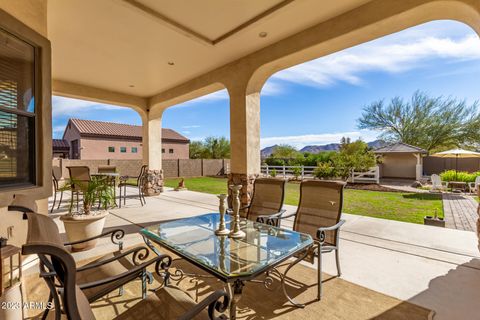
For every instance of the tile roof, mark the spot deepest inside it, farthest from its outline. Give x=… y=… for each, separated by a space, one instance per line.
x=399 y=147
x=60 y=144
x=111 y=129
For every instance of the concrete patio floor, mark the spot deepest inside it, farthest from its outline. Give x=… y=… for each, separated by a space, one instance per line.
x=437 y=268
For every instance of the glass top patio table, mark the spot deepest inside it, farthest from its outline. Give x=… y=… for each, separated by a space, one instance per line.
x=262 y=248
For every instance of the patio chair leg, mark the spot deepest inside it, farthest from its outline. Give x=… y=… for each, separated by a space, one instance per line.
x=60 y=202
x=71 y=203
x=120 y=197
x=140 y=196
x=337 y=258
x=319 y=274
x=78 y=207
x=124 y=194
x=54 y=200
x=144 y=284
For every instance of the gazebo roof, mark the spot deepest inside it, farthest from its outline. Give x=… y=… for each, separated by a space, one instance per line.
x=399 y=147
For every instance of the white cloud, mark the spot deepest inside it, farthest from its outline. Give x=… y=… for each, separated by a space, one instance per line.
x=300 y=141
x=73 y=107
x=384 y=55
x=186 y=132
x=58 y=129
x=191 y=127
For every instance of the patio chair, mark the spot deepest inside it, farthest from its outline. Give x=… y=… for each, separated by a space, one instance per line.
x=56 y=176
x=58 y=265
x=267 y=200
x=474 y=186
x=438 y=184
x=318 y=214
x=138 y=183
x=79 y=179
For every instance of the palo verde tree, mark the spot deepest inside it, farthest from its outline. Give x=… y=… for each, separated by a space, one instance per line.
x=432 y=123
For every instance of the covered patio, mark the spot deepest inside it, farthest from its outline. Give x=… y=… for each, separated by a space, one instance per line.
x=149 y=55
x=435 y=268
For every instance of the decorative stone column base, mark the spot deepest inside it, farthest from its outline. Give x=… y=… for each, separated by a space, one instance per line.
x=246 y=191
x=153 y=183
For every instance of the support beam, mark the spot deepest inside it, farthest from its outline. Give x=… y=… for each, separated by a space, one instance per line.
x=152 y=155
x=244 y=140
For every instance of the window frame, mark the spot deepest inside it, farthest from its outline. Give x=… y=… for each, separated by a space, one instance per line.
x=134 y=148
x=123 y=149
x=113 y=149
x=171 y=151
x=42 y=147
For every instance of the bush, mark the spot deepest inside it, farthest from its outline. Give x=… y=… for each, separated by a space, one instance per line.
x=451 y=175
x=271 y=161
x=324 y=170
x=273 y=173
x=297 y=171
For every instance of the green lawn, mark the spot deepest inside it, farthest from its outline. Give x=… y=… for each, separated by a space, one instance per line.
x=407 y=207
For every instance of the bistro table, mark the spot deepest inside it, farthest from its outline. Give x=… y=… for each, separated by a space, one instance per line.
x=457 y=186
x=233 y=261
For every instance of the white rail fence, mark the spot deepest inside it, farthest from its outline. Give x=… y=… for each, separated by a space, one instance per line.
x=370 y=176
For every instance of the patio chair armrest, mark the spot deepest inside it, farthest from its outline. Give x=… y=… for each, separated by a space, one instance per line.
x=287 y=216
x=116 y=235
x=22 y=209
x=271 y=219
x=133 y=273
x=137 y=258
x=321 y=231
x=217 y=301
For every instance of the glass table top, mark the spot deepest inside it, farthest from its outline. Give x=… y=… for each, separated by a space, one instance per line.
x=194 y=239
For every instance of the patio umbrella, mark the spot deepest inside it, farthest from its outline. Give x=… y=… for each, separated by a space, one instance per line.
x=457 y=153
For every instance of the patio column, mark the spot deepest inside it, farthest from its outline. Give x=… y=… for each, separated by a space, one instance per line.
x=244 y=139
x=152 y=155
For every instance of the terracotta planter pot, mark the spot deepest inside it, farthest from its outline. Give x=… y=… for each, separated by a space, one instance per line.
x=82 y=227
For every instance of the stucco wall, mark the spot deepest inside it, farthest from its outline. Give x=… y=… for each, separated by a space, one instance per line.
x=398 y=165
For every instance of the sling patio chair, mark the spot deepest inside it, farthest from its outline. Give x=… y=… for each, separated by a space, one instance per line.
x=318 y=214
x=138 y=183
x=58 y=186
x=58 y=265
x=79 y=179
x=123 y=265
x=267 y=200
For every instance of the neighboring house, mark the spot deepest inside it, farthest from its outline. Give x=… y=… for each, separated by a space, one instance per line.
x=98 y=140
x=61 y=148
x=401 y=160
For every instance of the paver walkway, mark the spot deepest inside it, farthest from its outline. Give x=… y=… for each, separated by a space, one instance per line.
x=460 y=212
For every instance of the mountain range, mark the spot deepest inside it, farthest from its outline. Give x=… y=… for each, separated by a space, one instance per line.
x=267 y=151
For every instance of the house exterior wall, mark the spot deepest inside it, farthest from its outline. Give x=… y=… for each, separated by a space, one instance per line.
x=96 y=148
x=398 y=165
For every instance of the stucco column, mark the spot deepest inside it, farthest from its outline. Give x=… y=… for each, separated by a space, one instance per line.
x=245 y=140
x=152 y=155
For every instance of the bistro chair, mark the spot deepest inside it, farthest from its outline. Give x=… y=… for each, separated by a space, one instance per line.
x=138 y=183
x=79 y=180
x=318 y=214
x=58 y=266
x=267 y=201
x=56 y=177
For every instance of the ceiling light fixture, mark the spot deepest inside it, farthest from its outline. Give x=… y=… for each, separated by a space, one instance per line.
x=131 y=86
x=262 y=34
x=171 y=63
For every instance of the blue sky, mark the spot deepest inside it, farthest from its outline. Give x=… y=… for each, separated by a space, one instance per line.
x=320 y=101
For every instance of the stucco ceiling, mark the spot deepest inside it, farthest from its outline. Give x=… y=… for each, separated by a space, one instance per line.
x=126 y=45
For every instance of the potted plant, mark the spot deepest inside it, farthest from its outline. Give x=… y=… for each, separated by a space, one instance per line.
x=89 y=222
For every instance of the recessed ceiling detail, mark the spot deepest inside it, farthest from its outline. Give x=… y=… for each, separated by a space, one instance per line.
x=198 y=35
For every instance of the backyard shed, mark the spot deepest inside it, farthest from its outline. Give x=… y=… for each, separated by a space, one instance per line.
x=401 y=160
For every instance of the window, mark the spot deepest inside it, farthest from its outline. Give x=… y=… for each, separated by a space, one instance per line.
x=111 y=149
x=170 y=150
x=75 y=149
x=17 y=112
x=123 y=149
x=163 y=150
x=134 y=150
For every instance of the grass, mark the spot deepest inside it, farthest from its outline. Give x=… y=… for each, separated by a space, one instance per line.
x=407 y=207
